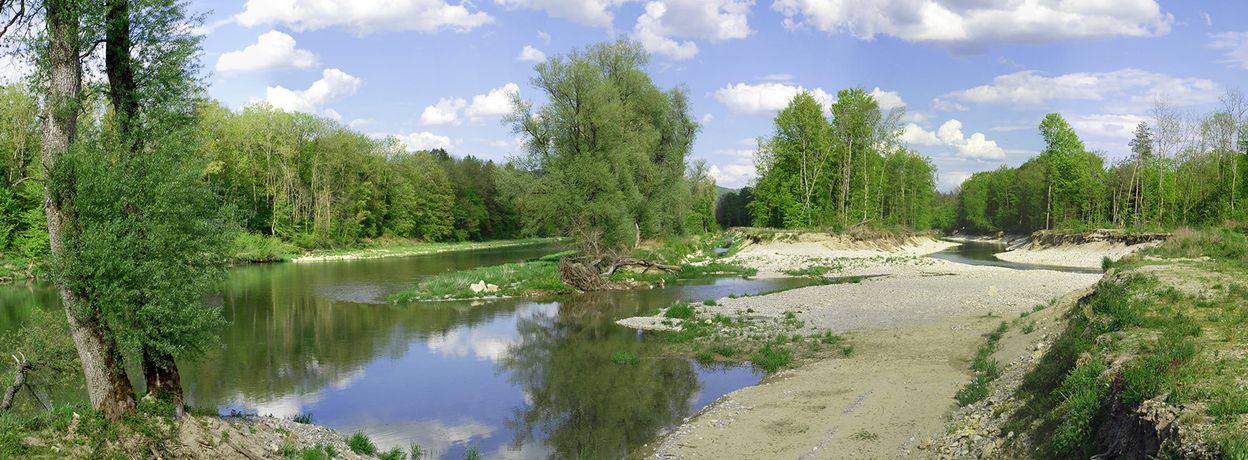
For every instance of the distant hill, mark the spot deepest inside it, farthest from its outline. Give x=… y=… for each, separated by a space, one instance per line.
x=721 y=191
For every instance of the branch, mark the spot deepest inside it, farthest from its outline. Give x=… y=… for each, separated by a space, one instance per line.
x=19 y=381
x=21 y=12
x=94 y=45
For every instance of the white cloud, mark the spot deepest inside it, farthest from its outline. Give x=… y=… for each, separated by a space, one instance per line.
x=948 y=106
x=707 y=119
x=446 y=111
x=424 y=141
x=975 y=23
x=1122 y=90
x=914 y=135
x=333 y=85
x=647 y=32
x=544 y=36
x=531 y=54
x=589 y=12
x=273 y=50
x=765 y=98
x=1107 y=132
x=734 y=168
x=1236 y=44
x=495 y=103
x=887 y=100
x=364 y=16
x=977 y=146
x=713 y=20
x=952 y=179
x=914 y=117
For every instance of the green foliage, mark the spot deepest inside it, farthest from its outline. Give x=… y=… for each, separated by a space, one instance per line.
x=680 y=310
x=392 y=454
x=986 y=369
x=304 y=418
x=611 y=162
x=625 y=358
x=771 y=358
x=816 y=172
x=255 y=248
x=361 y=444
x=733 y=208
x=472 y=453
x=514 y=279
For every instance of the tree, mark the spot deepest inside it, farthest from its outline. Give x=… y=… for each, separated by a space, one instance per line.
x=608 y=149
x=1142 y=147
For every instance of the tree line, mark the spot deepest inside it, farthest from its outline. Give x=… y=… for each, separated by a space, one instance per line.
x=838 y=166
x=1184 y=170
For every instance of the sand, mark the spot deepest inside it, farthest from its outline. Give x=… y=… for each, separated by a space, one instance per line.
x=1087 y=255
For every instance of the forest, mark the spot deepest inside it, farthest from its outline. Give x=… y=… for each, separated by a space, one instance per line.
x=1184 y=170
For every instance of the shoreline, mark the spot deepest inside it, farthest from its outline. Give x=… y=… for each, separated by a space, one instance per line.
x=915 y=330
x=417 y=249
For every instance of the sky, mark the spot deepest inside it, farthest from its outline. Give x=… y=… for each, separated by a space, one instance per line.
x=975 y=77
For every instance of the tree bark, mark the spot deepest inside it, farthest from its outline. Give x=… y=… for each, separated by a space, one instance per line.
x=107 y=386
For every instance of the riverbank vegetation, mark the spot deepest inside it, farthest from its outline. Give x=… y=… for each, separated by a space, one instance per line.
x=1158 y=342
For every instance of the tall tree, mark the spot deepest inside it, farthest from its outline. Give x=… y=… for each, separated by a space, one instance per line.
x=107 y=385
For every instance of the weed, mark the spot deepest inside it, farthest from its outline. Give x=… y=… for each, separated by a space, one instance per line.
x=361 y=444
x=771 y=359
x=392 y=454
x=709 y=302
x=472 y=453
x=305 y=418
x=865 y=435
x=415 y=452
x=680 y=311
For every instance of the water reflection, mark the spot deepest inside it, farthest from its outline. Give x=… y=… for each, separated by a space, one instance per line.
x=516 y=378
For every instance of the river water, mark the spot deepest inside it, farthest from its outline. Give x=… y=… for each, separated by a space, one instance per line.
x=513 y=378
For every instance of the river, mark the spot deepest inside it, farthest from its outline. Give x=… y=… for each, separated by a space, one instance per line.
x=513 y=378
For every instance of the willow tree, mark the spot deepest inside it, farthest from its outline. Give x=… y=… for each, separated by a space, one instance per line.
x=608 y=148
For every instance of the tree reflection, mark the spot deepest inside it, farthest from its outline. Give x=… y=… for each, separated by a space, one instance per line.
x=582 y=403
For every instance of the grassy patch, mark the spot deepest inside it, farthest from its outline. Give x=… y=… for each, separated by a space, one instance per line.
x=625 y=358
x=361 y=444
x=679 y=310
x=371 y=249
x=986 y=369
x=253 y=248
x=514 y=279
x=771 y=358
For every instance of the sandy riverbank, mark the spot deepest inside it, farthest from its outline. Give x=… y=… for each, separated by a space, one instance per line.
x=1087 y=255
x=773 y=258
x=914 y=330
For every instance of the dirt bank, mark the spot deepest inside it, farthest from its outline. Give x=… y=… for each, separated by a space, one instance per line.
x=790 y=252
x=1080 y=250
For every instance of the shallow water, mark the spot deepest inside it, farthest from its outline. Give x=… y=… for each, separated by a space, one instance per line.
x=979 y=253
x=514 y=378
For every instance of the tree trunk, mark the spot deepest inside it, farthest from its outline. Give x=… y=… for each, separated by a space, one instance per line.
x=107 y=386
x=160 y=372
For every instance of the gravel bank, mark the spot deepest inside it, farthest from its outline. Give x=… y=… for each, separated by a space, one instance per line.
x=915 y=329
x=1079 y=256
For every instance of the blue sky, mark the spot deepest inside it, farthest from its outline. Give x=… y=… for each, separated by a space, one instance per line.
x=974 y=76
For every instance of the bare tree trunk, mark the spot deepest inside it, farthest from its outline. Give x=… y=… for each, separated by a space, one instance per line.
x=107 y=386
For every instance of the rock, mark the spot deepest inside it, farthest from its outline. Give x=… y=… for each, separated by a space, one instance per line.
x=925 y=443
x=477 y=287
x=491 y=288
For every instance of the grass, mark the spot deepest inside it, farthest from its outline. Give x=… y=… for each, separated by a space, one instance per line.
x=514 y=279
x=986 y=369
x=679 y=310
x=404 y=247
x=305 y=418
x=771 y=358
x=254 y=248
x=472 y=453
x=360 y=444
x=1174 y=333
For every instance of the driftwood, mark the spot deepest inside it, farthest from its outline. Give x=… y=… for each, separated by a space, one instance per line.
x=645 y=264
x=580 y=276
x=19 y=381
